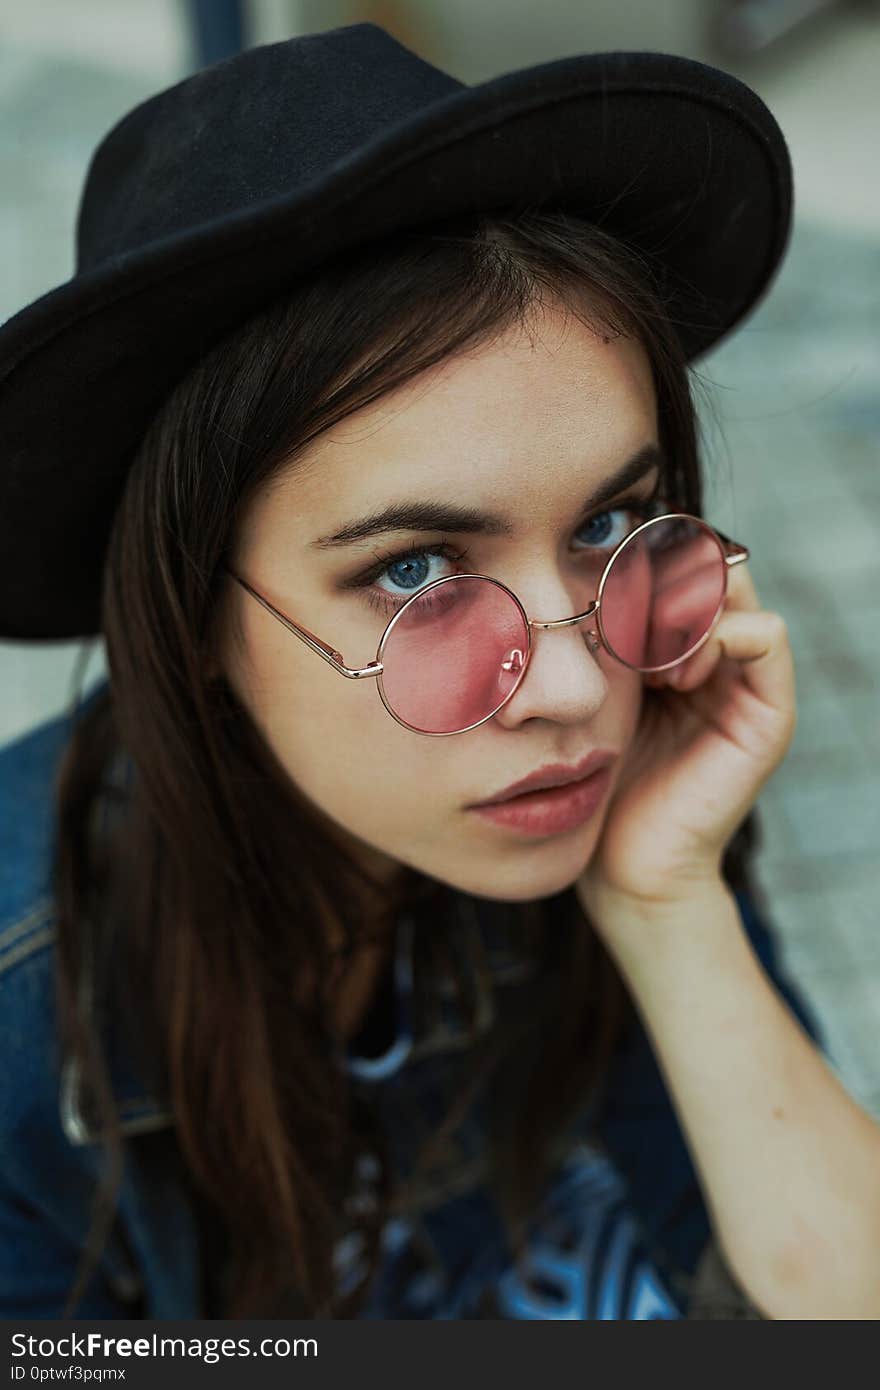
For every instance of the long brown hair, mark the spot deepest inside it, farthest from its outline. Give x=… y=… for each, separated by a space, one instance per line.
x=214 y=895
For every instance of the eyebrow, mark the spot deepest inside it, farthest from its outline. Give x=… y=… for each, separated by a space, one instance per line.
x=430 y=515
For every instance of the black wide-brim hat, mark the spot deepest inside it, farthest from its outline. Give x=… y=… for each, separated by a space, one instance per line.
x=220 y=193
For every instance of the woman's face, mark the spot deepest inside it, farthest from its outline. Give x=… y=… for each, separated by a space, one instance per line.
x=528 y=429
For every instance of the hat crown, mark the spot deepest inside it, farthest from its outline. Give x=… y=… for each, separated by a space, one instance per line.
x=225 y=193
x=255 y=127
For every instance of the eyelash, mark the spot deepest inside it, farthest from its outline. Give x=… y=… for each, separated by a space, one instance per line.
x=644 y=507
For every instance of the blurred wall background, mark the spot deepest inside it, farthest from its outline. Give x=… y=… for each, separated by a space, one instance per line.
x=790 y=405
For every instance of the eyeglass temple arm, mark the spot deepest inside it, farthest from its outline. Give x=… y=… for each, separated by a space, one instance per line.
x=329 y=654
x=736 y=553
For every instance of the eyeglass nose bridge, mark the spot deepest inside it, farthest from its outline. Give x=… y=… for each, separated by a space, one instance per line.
x=590 y=612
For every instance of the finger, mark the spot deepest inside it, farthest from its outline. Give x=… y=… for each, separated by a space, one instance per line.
x=759 y=643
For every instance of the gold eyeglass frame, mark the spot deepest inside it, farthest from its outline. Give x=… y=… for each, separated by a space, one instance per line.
x=732 y=553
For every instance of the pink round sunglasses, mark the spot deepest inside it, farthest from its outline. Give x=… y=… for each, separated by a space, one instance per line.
x=456 y=651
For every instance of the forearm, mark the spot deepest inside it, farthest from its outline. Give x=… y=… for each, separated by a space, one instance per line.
x=788 y=1162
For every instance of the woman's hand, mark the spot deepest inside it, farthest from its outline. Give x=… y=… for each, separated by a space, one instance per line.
x=712 y=731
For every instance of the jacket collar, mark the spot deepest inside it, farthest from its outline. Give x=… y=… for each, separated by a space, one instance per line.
x=138 y=1112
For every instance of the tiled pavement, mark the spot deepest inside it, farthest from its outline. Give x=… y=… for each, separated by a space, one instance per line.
x=791 y=408
x=793 y=462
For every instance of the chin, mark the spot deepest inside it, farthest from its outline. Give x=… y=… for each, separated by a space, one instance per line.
x=525 y=873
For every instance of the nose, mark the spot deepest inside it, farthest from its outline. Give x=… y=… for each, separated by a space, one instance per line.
x=565 y=680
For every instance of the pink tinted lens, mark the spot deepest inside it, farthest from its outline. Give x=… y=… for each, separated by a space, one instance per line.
x=663 y=593
x=452 y=657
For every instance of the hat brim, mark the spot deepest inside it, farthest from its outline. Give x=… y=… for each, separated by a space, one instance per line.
x=678 y=159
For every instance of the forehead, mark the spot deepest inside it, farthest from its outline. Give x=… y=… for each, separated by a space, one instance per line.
x=518 y=425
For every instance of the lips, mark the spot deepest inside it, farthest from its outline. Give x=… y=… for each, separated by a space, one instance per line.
x=553 y=775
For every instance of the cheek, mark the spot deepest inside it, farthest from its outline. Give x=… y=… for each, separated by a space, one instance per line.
x=337 y=742
x=389 y=799
x=340 y=746
x=624 y=704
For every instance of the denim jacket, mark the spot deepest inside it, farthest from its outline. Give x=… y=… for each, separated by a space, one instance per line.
x=622 y=1233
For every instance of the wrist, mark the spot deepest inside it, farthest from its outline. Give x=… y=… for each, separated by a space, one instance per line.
x=612 y=908
x=645 y=933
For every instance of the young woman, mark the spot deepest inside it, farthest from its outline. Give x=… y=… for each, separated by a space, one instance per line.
x=381 y=482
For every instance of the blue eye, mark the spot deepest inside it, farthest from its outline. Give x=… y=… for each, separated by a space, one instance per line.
x=410 y=572
x=605 y=534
